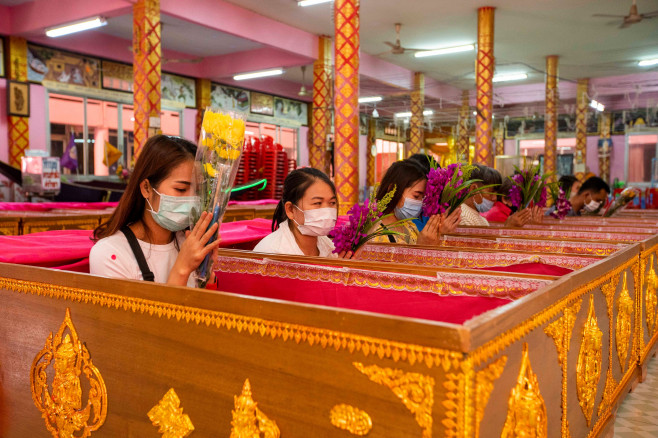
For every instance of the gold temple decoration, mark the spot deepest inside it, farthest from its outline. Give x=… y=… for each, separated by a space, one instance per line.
x=582 y=104
x=351 y=419
x=650 y=299
x=62 y=408
x=249 y=421
x=416 y=123
x=550 y=117
x=526 y=413
x=561 y=330
x=416 y=391
x=168 y=417
x=588 y=370
x=625 y=308
x=484 y=72
x=609 y=290
x=484 y=381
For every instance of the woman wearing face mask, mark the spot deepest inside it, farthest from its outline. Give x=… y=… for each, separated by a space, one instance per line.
x=144 y=238
x=305 y=215
x=409 y=181
x=495 y=207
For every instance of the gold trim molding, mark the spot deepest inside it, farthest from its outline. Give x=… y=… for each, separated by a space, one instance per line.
x=484 y=384
x=62 y=408
x=366 y=345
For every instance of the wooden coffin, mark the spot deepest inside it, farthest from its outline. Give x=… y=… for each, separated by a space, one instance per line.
x=151 y=360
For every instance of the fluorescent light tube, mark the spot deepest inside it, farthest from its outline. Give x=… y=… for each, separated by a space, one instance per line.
x=370 y=99
x=408 y=114
x=447 y=50
x=258 y=74
x=78 y=26
x=648 y=62
x=312 y=2
x=510 y=77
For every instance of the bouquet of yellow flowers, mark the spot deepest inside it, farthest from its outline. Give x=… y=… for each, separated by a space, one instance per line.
x=217 y=159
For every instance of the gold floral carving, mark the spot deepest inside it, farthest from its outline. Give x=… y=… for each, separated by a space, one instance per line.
x=588 y=370
x=300 y=334
x=455 y=395
x=351 y=419
x=62 y=407
x=625 y=307
x=249 y=421
x=561 y=330
x=650 y=299
x=608 y=290
x=169 y=418
x=526 y=413
x=484 y=381
x=416 y=391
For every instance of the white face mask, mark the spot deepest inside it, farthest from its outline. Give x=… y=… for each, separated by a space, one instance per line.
x=175 y=212
x=411 y=209
x=592 y=206
x=318 y=221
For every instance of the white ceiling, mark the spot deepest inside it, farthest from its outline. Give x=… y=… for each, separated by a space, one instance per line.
x=525 y=32
x=184 y=37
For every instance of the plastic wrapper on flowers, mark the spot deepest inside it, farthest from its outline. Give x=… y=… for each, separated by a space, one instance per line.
x=216 y=164
x=626 y=196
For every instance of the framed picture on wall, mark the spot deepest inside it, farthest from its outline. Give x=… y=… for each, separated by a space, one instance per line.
x=262 y=104
x=18 y=99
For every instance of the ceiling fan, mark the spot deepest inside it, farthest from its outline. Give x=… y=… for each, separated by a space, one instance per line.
x=397 y=48
x=632 y=17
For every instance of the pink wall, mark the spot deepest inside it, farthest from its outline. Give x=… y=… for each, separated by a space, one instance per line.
x=39 y=125
x=189 y=124
x=4 y=139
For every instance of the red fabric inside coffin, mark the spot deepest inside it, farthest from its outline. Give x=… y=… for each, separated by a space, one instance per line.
x=423 y=305
x=531 y=268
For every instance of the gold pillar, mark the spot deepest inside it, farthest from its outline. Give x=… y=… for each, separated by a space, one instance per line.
x=550 y=118
x=203 y=100
x=484 y=70
x=146 y=70
x=346 y=103
x=464 y=134
x=581 y=128
x=605 y=146
x=370 y=157
x=321 y=110
x=416 y=128
x=18 y=128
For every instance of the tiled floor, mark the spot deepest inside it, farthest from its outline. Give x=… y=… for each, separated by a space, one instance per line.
x=638 y=414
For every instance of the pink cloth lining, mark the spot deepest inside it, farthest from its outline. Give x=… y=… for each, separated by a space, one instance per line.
x=69 y=249
x=47 y=206
x=257 y=202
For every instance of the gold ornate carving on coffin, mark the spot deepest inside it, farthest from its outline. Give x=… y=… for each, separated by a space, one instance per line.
x=249 y=421
x=62 y=407
x=416 y=391
x=624 y=323
x=168 y=417
x=351 y=419
x=650 y=299
x=561 y=330
x=588 y=370
x=484 y=380
x=526 y=413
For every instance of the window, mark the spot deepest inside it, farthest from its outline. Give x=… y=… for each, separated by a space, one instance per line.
x=98 y=122
x=641 y=156
x=387 y=154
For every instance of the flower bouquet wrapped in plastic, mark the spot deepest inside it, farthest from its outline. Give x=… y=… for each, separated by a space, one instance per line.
x=626 y=196
x=362 y=219
x=447 y=188
x=529 y=188
x=216 y=164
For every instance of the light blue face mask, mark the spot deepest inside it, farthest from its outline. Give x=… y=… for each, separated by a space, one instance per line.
x=485 y=205
x=410 y=210
x=175 y=212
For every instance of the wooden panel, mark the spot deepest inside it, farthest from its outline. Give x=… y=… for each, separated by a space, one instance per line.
x=9 y=226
